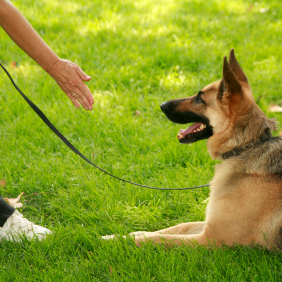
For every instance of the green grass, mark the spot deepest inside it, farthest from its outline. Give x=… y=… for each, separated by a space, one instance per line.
x=139 y=54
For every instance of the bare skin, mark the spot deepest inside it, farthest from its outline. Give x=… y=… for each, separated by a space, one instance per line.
x=68 y=75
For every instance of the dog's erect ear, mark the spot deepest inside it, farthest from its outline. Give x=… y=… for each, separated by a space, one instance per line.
x=234 y=65
x=231 y=82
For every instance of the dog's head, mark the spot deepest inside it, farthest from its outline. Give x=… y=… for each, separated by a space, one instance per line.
x=220 y=112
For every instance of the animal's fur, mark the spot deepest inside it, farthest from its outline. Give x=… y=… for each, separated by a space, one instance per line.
x=245 y=205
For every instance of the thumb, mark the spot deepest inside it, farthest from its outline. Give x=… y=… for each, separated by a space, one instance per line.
x=83 y=75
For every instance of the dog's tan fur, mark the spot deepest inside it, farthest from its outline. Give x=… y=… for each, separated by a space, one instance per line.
x=245 y=205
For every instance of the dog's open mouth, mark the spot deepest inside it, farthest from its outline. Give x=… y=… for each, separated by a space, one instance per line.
x=200 y=129
x=195 y=132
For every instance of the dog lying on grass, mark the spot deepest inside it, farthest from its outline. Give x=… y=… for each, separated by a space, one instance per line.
x=245 y=205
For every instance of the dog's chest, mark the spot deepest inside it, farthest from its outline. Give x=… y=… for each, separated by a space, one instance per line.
x=234 y=194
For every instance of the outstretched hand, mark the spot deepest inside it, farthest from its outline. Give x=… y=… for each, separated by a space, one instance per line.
x=70 y=77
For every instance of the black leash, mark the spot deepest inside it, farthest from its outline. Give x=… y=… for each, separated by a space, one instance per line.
x=66 y=141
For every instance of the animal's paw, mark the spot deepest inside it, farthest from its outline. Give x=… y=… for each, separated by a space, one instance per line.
x=108 y=237
x=138 y=233
x=133 y=234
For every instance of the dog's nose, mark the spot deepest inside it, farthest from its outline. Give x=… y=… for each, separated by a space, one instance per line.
x=164 y=106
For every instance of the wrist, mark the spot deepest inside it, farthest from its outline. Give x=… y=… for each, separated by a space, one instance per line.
x=53 y=66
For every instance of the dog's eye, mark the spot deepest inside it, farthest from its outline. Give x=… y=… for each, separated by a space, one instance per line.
x=199 y=99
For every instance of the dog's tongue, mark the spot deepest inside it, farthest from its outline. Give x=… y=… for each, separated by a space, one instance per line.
x=192 y=129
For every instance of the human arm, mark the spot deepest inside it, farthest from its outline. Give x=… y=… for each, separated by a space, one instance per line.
x=68 y=75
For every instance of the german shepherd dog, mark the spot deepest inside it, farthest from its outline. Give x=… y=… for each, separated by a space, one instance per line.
x=245 y=205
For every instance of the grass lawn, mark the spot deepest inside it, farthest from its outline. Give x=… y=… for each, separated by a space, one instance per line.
x=139 y=54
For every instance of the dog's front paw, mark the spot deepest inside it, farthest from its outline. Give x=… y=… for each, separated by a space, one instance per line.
x=138 y=233
x=108 y=237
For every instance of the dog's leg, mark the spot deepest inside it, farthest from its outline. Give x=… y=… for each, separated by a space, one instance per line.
x=180 y=229
x=184 y=228
x=170 y=240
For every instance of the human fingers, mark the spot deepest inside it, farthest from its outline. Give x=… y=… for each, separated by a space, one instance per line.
x=80 y=97
x=82 y=87
x=70 y=77
x=75 y=95
x=74 y=101
x=82 y=74
x=86 y=92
